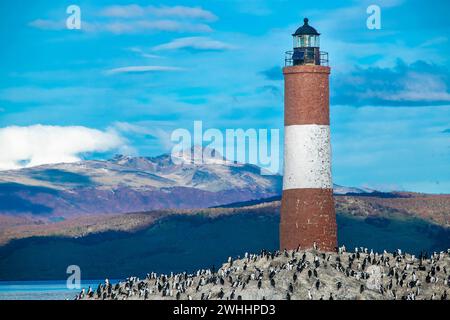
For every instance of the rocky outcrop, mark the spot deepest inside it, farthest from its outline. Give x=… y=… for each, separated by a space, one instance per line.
x=311 y=274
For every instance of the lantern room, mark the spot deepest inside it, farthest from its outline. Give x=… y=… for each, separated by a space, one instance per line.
x=306 y=36
x=306 y=47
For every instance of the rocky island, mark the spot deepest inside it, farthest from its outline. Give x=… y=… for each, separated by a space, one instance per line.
x=297 y=274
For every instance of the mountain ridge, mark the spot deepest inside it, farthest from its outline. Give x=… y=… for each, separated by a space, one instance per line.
x=128 y=184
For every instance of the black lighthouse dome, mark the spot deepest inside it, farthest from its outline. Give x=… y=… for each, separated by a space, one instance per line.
x=306 y=29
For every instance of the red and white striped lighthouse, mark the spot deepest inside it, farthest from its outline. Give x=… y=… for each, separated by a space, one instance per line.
x=307 y=209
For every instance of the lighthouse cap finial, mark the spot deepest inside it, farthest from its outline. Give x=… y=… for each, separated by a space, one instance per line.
x=306 y=29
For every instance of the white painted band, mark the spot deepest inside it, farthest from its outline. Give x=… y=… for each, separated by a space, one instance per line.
x=307 y=157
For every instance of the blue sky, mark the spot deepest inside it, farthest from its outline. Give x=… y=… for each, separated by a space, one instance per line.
x=137 y=70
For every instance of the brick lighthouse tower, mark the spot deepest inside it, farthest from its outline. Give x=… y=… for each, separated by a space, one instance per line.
x=307 y=209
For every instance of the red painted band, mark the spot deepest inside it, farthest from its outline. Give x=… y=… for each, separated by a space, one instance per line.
x=308 y=216
x=306 y=95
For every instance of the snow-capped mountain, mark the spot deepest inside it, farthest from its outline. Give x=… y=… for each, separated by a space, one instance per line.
x=131 y=184
x=337 y=189
x=146 y=173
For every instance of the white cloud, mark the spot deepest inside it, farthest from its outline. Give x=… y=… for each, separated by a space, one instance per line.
x=142 y=69
x=144 y=54
x=137 y=26
x=161 y=131
x=434 y=42
x=132 y=128
x=148 y=128
x=126 y=27
x=48 y=24
x=129 y=11
x=183 y=12
x=198 y=43
x=129 y=19
x=39 y=144
x=133 y=19
x=126 y=11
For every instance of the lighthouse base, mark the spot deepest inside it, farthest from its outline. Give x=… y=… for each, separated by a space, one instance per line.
x=307 y=217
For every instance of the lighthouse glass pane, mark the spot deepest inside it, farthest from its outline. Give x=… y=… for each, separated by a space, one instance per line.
x=306 y=41
x=299 y=41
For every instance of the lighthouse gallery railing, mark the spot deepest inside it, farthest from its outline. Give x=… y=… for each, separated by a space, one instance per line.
x=307 y=59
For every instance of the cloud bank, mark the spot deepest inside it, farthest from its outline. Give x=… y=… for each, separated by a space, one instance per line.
x=38 y=144
x=416 y=84
x=134 y=19
x=48 y=24
x=196 y=43
x=129 y=11
x=142 y=69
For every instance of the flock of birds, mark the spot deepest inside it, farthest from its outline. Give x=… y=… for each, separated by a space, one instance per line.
x=296 y=274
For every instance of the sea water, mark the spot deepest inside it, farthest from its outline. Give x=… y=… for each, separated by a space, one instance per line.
x=185 y=243
x=42 y=290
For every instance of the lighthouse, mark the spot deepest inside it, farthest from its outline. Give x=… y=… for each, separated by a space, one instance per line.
x=308 y=216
